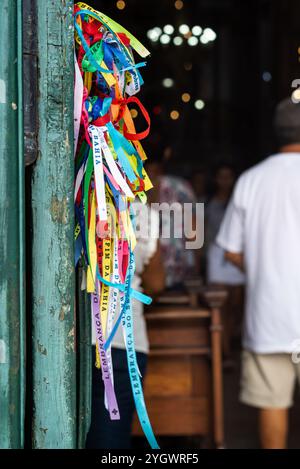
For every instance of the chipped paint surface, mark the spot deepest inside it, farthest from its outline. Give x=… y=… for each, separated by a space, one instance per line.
x=65 y=309
x=59 y=210
x=54 y=365
x=2 y=352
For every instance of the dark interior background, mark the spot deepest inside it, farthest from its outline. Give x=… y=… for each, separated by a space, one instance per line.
x=240 y=77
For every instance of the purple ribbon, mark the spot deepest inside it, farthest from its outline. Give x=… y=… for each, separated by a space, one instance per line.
x=109 y=389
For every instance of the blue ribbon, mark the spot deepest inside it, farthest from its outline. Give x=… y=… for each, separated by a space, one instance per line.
x=137 y=295
x=134 y=375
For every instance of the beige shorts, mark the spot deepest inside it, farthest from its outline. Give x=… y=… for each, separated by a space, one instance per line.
x=268 y=380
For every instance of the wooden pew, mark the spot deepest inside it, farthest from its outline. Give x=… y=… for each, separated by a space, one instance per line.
x=183 y=384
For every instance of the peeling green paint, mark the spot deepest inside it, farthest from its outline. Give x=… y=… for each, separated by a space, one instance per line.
x=59 y=210
x=44 y=430
x=65 y=309
x=41 y=348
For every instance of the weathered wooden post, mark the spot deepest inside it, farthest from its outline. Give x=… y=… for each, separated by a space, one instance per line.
x=53 y=277
x=84 y=366
x=12 y=246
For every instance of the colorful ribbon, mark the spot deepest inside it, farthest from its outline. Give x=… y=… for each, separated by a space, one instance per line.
x=109 y=174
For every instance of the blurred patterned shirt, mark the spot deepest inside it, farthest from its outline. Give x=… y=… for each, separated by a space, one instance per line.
x=178 y=261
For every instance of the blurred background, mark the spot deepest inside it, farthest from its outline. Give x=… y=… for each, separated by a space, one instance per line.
x=216 y=72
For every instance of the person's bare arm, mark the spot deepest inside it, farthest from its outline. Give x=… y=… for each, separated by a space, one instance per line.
x=236 y=258
x=153 y=277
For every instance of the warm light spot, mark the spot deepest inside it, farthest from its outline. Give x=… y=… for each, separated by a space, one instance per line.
x=174 y=115
x=121 y=5
x=186 y=97
x=188 y=35
x=188 y=66
x=134 y=113
x=178 y=4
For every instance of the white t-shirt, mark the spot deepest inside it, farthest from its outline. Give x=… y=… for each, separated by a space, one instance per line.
x=144 y=250
x=263 y=221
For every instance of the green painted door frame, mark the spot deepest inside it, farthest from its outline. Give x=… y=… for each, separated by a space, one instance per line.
x=54 y=422
x=12 y=244
x=58 y=336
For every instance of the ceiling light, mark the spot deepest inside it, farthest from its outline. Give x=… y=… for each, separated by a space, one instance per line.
x=165 y=39
x=192 y=41
x=183 y=29
x=199 y=104
x=178 y=40
x=168 y=82
x=197 y=30
x=157 y=30
x=169 y=29
x=210 y=34
x=204 y=39
x=153 y=35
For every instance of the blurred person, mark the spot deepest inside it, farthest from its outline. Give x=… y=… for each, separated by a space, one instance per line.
x=199 y=184
x=221 y=272
x=260 y=233
x=179 y=263
x=149 y=277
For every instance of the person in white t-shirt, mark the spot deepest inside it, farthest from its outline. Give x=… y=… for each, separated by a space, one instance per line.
x=261 y=234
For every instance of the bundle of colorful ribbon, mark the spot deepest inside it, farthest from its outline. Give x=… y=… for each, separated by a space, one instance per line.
x=109 y=175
